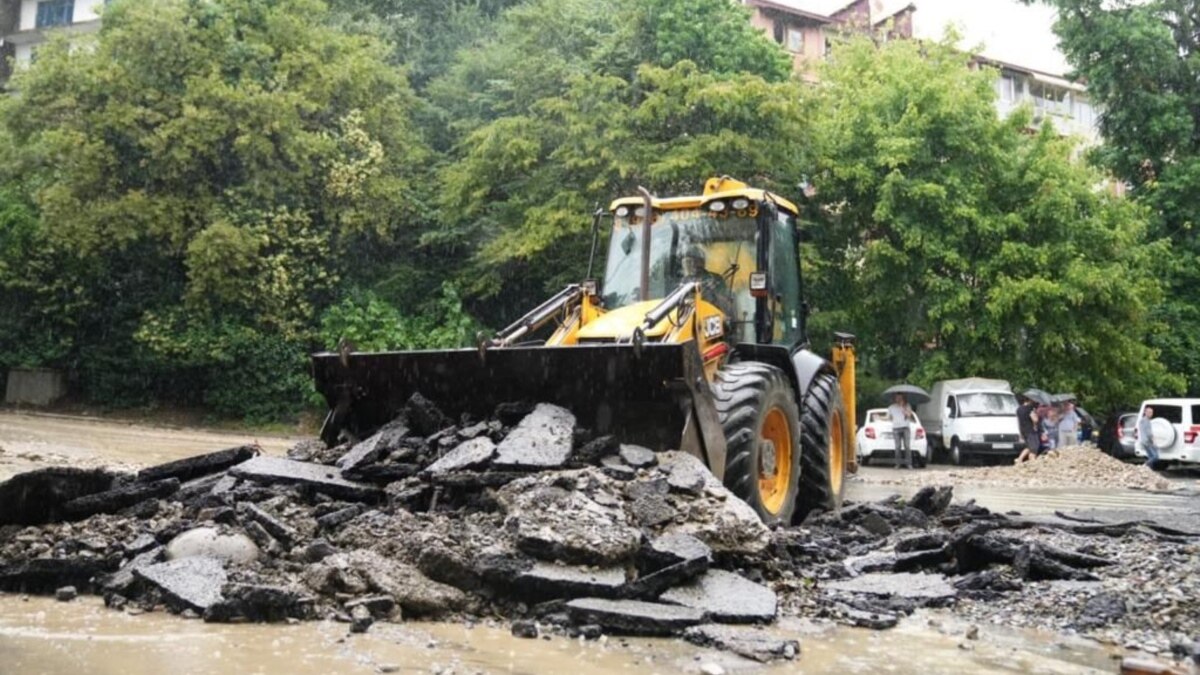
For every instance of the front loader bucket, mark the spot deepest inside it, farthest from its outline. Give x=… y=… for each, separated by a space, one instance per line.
x=645 y=395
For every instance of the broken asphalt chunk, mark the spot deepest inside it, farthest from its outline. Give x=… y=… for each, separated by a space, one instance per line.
x=276 y=527
x=726 y=597
x=472 y=454
x=119 y=498
x=543 y=440
x=201 y=465
x=187 y=583
x=318 y=477
x=37 y=497
x=547 y=581
x=424 y=416
x=745 y=641
x=44 y=575
x=633 y=617
x=926 y=587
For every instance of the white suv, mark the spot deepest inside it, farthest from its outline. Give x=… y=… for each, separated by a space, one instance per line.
x=1177 y=435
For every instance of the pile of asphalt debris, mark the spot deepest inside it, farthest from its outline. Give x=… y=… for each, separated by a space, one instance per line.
x=521 y=517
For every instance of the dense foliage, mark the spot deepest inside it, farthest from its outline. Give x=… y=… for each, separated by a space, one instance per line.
x=1139 y=61
x=960 y=244
x=213 y=188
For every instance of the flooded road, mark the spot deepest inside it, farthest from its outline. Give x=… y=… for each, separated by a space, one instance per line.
x=40 y=635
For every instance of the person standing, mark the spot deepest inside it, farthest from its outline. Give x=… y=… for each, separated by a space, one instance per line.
x=899 y=412
x=1050 y=429
x=1027 y=424
x=1145 y=433
x=1068 y=426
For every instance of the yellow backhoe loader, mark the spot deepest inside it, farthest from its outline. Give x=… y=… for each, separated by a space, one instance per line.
x=695 y=340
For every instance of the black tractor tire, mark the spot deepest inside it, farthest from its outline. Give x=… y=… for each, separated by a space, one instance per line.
x=745 y=393
x=823 y=418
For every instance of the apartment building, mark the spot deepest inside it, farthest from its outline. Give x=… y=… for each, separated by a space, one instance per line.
x=808 y=33
x=24 y=24
x=807 y=28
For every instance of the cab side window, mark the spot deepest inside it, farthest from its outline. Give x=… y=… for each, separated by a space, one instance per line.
x=952 y=406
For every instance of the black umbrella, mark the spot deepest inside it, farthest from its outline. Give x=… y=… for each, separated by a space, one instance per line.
x=1062 y=398
x=913 y=393
x=1037 y=396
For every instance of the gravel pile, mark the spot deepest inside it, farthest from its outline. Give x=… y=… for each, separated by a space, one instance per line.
x=1077 y=466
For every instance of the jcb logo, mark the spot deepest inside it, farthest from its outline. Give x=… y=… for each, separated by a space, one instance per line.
x=712 y=327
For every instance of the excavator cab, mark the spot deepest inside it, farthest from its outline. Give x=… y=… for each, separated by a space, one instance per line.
x=695 y=339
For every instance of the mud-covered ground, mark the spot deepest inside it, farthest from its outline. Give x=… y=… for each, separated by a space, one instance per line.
x=1079 y=584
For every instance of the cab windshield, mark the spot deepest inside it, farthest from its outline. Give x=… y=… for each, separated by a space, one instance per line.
x=984 y=404
x=717 y=250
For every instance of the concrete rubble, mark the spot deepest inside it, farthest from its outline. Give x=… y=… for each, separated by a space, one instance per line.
x=525 y=517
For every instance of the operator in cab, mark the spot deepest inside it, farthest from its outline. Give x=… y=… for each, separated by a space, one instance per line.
x=712 y=285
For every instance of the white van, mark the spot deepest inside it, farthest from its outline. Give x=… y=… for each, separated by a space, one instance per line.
x=972 y=417
x=1178 y=441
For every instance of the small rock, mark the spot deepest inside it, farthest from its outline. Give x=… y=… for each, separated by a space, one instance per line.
x=711 y=669
x=614 y=467
x=66 y=594
x=972 y=633
x=360 y=619
x=637 y=456
x=525 y=629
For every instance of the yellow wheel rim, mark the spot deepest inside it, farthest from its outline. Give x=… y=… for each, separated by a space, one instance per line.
x=774 y=480
x=837 y=452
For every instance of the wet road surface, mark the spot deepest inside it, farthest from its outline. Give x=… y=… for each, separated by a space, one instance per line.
x=40 y=635
x=1025 y=500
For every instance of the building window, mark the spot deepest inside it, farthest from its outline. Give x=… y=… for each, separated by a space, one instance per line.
x=1008 y=89
x=795 y=40
x=55 y=13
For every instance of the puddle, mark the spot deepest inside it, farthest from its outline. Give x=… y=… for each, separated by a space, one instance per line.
x=40 y=635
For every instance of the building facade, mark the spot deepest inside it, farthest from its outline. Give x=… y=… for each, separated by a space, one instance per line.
x=24 y=24
x=806 y=31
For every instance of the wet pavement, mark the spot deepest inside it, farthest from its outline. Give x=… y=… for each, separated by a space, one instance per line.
x=30 y=441
x=868 y=486
x=40 y=635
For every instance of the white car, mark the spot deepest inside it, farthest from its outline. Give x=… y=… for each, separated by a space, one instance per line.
x=1176 y=428
x=875 y=439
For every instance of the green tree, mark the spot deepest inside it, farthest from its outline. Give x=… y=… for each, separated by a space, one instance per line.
x=573 y=102
x=207 y=170
x=959 y=244
x=1139 y=62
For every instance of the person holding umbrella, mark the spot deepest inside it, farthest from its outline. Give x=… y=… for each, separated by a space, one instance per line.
x=900 y=412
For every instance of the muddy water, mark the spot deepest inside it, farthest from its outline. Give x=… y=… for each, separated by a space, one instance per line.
x=40 y=635
x=32 y=441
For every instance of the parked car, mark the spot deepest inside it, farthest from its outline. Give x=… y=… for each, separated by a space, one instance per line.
x=1117 y=436
x=972 y=417
x=876 y=441
x=1177 y=435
